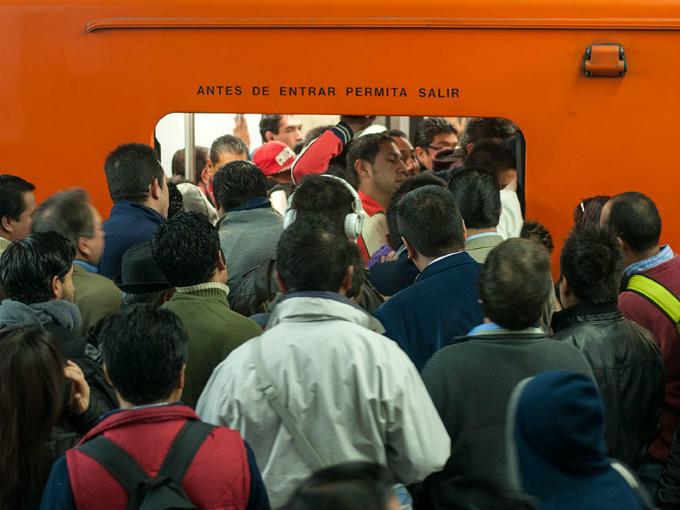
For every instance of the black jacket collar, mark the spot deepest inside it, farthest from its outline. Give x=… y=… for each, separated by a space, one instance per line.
x=584 y=312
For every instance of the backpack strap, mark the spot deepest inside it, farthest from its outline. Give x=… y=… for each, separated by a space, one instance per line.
x=116 y=461
x=183 y=450
x=659 y=295
x=132 y=478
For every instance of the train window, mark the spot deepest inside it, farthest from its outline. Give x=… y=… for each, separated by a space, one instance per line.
x=442 y=140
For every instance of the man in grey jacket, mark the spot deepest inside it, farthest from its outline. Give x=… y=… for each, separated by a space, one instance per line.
x=352 y=393
x=248 y=227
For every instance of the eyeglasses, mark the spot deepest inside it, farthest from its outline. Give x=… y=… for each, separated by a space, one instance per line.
x=435 y=148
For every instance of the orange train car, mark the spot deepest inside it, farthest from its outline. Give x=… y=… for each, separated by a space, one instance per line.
x=82 y=76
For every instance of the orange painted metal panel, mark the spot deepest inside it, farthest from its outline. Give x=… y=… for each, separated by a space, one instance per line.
x=81 y=77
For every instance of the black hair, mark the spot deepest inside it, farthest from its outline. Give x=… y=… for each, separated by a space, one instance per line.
x=478 y=197
x=349 y=486
x=68 y=213
x=186 y=249
x=269 y=123
x=201 y=156
x=323 y=196
x=634 y=218
x=312 y=255
x=415 y=182
x=31 y=399
x=176 y=202
x=144 y=349
x=228 y=143
x=535 y=231
x=237 y=182
x=592 y=263
x=27 y=267
x=429 y=219
x=315 y=133
x=130 y=170
x=587 y=213
x=492 y=156
x=12 y=189
x=479 y=129
x=366 y=148
x=515 y=283
x=396 y=133
x=429 y=128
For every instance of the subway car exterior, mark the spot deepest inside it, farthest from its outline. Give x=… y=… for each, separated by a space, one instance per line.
x=594 y=85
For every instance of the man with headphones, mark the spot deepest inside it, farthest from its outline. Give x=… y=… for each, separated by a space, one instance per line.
x=335 y=199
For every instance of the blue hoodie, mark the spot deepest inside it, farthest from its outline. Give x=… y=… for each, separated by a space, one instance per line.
x=556 y=447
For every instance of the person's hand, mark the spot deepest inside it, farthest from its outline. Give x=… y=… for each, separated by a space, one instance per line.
x=357 y=122
x=390 y=257
x=79 y=400
x=241 y=128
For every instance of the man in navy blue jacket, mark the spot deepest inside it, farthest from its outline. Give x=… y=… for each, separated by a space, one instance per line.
x=443 y=303
x=139 y=189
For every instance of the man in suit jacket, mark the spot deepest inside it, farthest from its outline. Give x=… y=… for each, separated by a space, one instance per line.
x=443 y=302
x=479 y=199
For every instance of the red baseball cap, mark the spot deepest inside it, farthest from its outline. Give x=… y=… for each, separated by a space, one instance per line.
x=273 y=157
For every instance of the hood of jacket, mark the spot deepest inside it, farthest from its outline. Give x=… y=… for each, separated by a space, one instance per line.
x=59 y=312
x=320 y=306
x=555 y=429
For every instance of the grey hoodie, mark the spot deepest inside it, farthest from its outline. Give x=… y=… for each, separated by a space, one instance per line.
x=58 y=312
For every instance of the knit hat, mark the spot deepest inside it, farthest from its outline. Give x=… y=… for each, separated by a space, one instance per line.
x=273 y=158
x=556 y=447
x=195 y=201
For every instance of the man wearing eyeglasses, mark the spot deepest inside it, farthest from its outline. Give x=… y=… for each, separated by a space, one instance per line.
x=433 y=134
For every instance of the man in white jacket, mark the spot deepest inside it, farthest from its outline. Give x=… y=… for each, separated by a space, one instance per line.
x=352 y=393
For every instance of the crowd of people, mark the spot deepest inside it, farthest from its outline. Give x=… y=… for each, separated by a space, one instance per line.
x=346 y=320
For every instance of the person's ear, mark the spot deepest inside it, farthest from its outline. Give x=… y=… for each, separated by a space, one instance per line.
x=269 y=136
x=412 y=254
x=221 y=262
x=421 y=154
x=565 y=290
x=468 y=148
x=167 y=296
x=346 y=283
x=107 y=378
x=56 y=286
x=6 y=223
x=363 y=169
x=83 y=246
x=182 y=377
x=623 y=245
x=155 y=189
x=464 y=229
x=280 y=283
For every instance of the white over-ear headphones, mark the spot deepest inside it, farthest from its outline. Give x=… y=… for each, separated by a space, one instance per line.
x=354 y=221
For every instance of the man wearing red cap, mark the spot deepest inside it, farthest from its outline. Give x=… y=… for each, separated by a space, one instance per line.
x=275 y=159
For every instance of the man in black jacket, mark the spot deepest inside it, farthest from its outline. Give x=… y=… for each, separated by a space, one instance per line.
x=36 y=274
x=624 y=356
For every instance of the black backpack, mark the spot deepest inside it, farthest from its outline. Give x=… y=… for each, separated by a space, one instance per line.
x=257 y=290
x=164 y=492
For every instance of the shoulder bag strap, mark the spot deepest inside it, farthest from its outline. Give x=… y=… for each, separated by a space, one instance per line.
x=633 y=483
x=659 y=295
x=271 y=392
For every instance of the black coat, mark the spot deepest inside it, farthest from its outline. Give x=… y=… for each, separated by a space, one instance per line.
x=628 y=368
x=102 y=395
